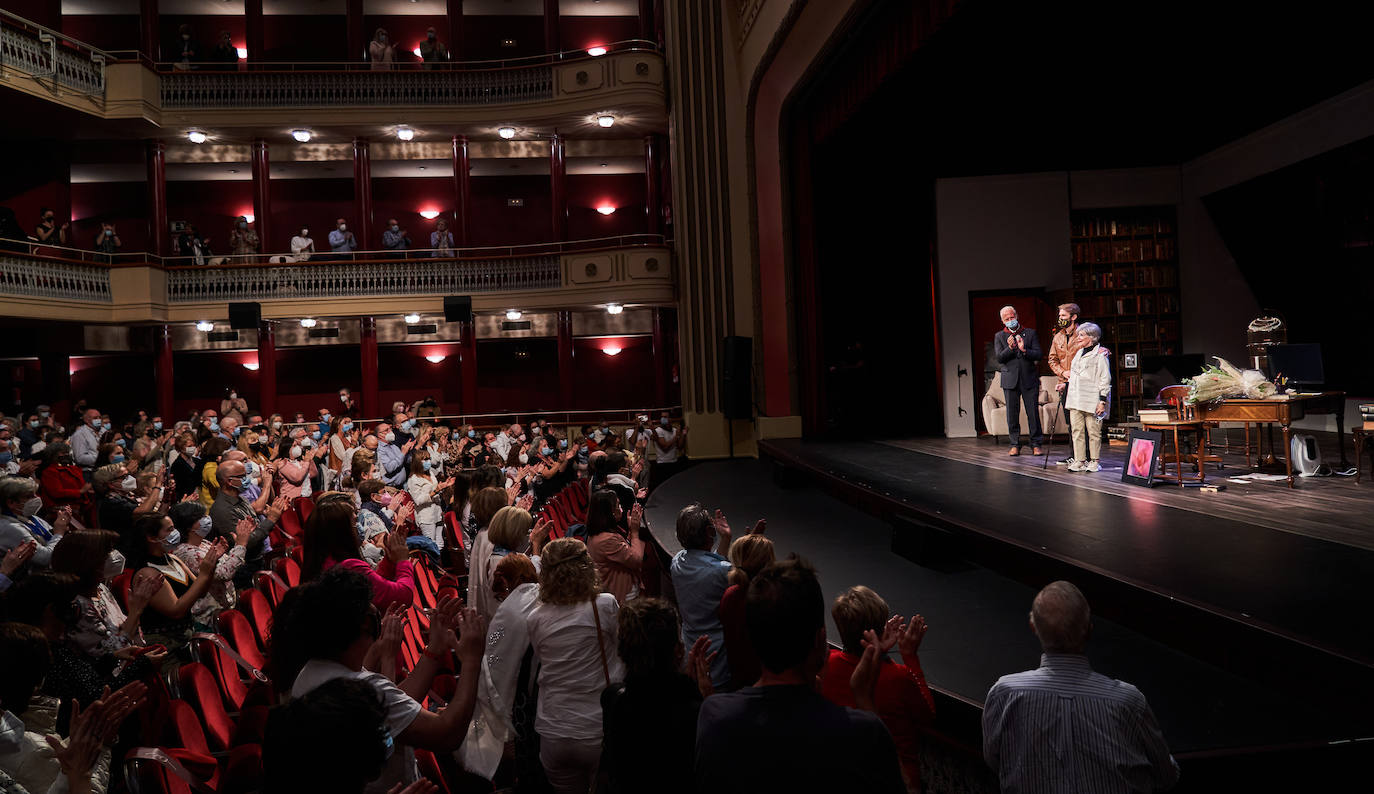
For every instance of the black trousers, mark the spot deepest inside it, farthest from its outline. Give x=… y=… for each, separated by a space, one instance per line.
x=1031 y=400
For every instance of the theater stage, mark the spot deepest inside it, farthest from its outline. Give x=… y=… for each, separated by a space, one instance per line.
x=1245 y=626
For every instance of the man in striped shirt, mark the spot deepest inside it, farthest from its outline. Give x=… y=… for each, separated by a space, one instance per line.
x=1064 y=728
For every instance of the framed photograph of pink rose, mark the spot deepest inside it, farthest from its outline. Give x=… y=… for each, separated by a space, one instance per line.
x=1142 y=457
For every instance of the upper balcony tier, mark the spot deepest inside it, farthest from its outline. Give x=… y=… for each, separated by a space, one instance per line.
x=563 y=90
x=54 y=283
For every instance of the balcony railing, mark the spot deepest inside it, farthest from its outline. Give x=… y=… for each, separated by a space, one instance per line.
x=45 y=54
x=53 y=278
x=357 y=84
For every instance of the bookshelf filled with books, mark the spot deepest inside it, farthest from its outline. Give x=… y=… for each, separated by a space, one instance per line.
x=1125 y=278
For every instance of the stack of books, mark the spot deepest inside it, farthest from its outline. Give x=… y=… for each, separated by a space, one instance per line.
x=1367 y=414
x=1155 y=412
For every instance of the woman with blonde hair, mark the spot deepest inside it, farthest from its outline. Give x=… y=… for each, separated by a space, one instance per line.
x=750 y=554
x=573 y=629
x=509 y=533
x=486 y=504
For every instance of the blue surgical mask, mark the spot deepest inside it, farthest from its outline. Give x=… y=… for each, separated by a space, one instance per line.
x=172 y=540
x=544 y=450
x=327 y=416
x=562 y=443
x=116 y=458
x=472 y=434
x=33 y=423
x=237 y=430
x=346 y=426
x=315 y=435
x=408 y=425
x=157 y=425
x=428 y=464
x=214 y=426
x=1013 y=324
x=120 y=441
x=203 y=526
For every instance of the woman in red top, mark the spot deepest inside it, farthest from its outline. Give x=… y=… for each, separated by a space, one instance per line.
x=901 y=697
x=331 y=538
x=60 y=483
x=750 y=554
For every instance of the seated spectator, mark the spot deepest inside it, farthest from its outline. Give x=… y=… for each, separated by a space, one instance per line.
x=118 y=501
x=749 y=555
x=574 y=633
x=381 y=51
x=147 y=547
x=334 y=738
x=329 y=629
x=331 y=538
x=826 y=747
x=700 y=579
x=47 y=602
x=505 y=691
x=901 y=698
x=191 y=521
x=651 y=720
x=619 y=557
x=14 y=561
x=341 y=241
x=30 y=755
x=101 y=628
x=302 y=246
x=432 y=51
x=211 y=450
x=1063 y=727
x=20 y=524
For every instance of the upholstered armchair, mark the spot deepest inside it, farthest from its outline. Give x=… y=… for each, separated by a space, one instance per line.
x=995 y=415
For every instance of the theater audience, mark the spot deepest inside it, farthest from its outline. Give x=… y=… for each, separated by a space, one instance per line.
x=669 y=442
x=394 y=238
x=331 y=538
x=381 y=51
x=20 y=522
x=508 y=532
x=749 y=555
x=619 y=556
x=901 y=698
x=432 y=51
x=302 y=245
x=85 y=440
x=224 y=54
x=573 y=671
x=441 y=239
x=186 y=50
x=325 y=630
x=168 y=620
x=243 y=241
x=427 y=492
x=1063 y=727
x=107 y=241
x=230 y=507
x=194 y=525
x=48 y=231
x=341 y=240
x=700 y=579
x=650 y=721
x=101 y=628
x=826 y=747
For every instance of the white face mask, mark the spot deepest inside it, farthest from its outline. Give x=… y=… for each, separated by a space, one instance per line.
x=233 y=395
x=203 y=526
x=296 y=452
x=343 y=227
x=128 y=483
x=32 y=506
x=390 y=437
x=524 y=459
x=276 y=425
x=114 y=564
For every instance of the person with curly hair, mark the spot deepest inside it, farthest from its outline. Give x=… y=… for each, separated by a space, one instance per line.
x=574 y=633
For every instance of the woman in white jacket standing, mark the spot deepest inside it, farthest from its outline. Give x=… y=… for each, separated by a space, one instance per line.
x=1087 y=397
x=425 y=489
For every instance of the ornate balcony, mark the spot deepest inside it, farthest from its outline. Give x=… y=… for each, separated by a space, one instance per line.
x=49 y=58
x=70 y=284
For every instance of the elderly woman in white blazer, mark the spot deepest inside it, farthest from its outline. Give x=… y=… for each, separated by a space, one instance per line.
x=1087 y=397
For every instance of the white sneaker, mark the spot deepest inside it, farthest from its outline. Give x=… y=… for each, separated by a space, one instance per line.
x=1075 y=465
x=1093 y=466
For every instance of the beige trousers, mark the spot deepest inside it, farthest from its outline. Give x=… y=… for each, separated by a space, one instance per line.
x=1087 y=435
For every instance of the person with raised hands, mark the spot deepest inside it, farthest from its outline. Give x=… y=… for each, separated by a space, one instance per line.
x=148 y=547
x=331 y=538
x=701 y=576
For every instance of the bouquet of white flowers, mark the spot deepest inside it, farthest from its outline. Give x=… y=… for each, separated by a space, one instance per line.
x=1225 y=380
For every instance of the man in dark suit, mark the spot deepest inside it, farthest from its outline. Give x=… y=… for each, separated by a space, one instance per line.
x=1018 y=351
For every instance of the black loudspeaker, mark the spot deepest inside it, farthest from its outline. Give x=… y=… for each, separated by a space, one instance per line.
x=458 y=309
x=736 y=381
x=245 y=315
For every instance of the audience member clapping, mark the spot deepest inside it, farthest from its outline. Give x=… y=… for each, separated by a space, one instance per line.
x=619 y=556
x=331 y=538
x=700 y=579
x=749 y=555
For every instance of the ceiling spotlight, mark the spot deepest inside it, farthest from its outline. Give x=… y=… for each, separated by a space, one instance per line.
x=435 y=359
x=205 y=325
x=196 y=136
x=242 y=53
x=614 y=308
x=514 y=314
x=506 y=132
x=307 y=322
x=597 y=51
x=251 y=366
x=605 y=121
x=611 y=351
x=606 y=209
x=429 y=215
x=412 y=318
x=405 y=133
x=302 y=136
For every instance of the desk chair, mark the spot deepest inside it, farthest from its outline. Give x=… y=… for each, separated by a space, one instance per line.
x=1182 y=422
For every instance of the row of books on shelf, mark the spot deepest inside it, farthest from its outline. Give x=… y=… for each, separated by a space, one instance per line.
x=1139 y=303
x=1114 y=251
x=1128 y=384
x=1102 y=226
x=1126 y=278
x=1367 y=414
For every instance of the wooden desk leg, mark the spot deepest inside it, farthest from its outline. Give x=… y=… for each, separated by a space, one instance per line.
x=1202 y=456
x=1359 y=456
x=1288 y=452
x=1178 y=458
x=1247 y=445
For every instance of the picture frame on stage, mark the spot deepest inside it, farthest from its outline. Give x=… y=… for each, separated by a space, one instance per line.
x=1142 y=457
x=1129 y=361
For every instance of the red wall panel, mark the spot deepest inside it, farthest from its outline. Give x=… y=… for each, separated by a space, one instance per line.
x=405 y=374
x=211 y=206
x=117 y=384
x=579 y=33
x=323 y=37
x=315 y=203
x=38 y=179
x=121 y=203
x=586 y=192
x=510 y=381
x=21 y=385
x=309 y=378
x=203 y=379
x=47 y=13
x=482 y=36
x=494 y=223
x=103 y=31
x=625 y=380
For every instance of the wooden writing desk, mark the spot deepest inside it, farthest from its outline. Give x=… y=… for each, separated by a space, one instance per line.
x=1282 y=411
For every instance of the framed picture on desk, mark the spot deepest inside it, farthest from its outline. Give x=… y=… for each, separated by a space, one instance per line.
x=1142 y=457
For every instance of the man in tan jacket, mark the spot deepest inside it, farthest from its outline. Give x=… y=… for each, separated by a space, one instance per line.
x=1062 y=349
